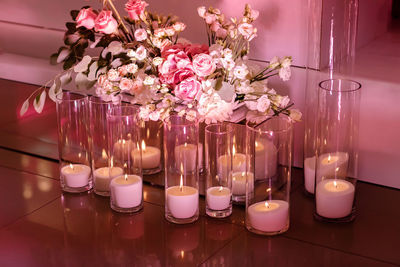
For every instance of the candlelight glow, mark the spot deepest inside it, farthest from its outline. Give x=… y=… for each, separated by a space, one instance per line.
x=335 y=184
x=182 y=254
x=329 y=158
x=337 y=169
x=143 y=146
x=79 y=155
x=266 y=205
x=104 y=154
x=126 y=177
x=220 y=189
x=71 y=166
x=112 y=162
x=181 y=184
x=233 y=151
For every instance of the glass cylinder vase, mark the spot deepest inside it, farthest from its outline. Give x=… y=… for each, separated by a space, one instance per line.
x=267 y=204
x=151 y=144
x=181 y=137
x=337 y=150
x=100 y=154
x=219 y=161
x=73 y=142
x=125 y=156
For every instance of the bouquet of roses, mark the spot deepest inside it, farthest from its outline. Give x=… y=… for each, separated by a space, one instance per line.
x=142 y=56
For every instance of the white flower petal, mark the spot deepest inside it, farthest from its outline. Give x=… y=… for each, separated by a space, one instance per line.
x=38 y=105
x=24 y=108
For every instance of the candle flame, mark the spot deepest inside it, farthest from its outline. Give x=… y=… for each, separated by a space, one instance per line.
x=329 y=158
x=79 y=155
x=337 y=169
x=126 y=177
x=335 y=184
x=266 y=205
x=123 y=142
x=181 y=183
x=256 y=144
x=104 y=154
x=71 y=166
x=220 y=189
x=268 y=190
x=112 y=162
x=143 y=146
x=182 y=254
x=185 y=145
x=233 y=151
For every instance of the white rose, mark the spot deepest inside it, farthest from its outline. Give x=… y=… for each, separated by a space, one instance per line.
x=141 y=53
x=149 y=80
x=113 y=75
x=131 y=53
x=284 y=74
x=154 y=116
x=281 y=101
x=132 y=68
x=157 y=61
x=140 y=35
x=201 y=11
x=286 y=62
x=240 y=71
x=274 y=63
x=263 y=103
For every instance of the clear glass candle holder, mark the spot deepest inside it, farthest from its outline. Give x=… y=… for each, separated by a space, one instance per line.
x=73 y=142
x=102 y=173
x=337 y=150
x=181 y=162
x=219 y=161
x=151 y=144
x=269 y=144
x=125 y=153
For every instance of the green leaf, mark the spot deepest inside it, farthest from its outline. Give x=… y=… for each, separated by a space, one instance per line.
x=24 y=107
x=69 y=63
x=53 y=59
x=71 y=26
x=218 y=84
x=74 y=14
x=38 y=104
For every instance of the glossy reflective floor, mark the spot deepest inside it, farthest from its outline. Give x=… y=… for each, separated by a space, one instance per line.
x=41 y=226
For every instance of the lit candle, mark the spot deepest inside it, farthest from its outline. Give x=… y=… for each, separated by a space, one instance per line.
x=185 y=155
x=182 y=201
x=150 y=156
x=332 y=165
x=76 y=175
x=269 y=216
x=102 y=177
x=239 y=183
x=126 y=191
x=238 y=163
x=122 y=148
x=218 y=197
x=334 y=198
x=266 y=159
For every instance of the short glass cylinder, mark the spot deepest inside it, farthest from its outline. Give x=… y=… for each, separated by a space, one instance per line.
x=100 y=155
x=151 y=144
x=219 y=161
x=73 y=142
x=126 y=157
x=337 y=150
x=269 y=145
x=181 y=137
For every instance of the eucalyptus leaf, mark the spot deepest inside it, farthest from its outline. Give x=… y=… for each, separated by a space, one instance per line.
x=83 y=65
x=227 y=92
x=64 y=53
x=69 y=63
x=52 y=92
x=82 y=82
x=93 y=71
x=65 y=79
x=24 y=108
x=38 y=103
x=53 y=59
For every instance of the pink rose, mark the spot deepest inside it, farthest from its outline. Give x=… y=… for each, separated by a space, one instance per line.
x=140 y=35
x=122 y=70
x=125 y=84
x=86 y=18
x=247 y=30
x=194 y=49
x=221 y=33
x=135 y=8
x=137 y=86
x=182 y=75
x=105 y=23
x=188 y=89
x=159 y=33
x=203 y=65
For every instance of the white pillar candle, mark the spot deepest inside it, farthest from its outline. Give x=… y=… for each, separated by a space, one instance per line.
x=200 y=151
x=239 y=183
x=126 y=191
x=102 y=177
x=269 y=216
x=182 y=201
x=76 y=175
x=266 y=159
x=150 y=156
x=185 y=157
x=123 y=148
x=334 y=198
x=309 y=174
x=218 y=197
x=238 y=164
x=332 y=165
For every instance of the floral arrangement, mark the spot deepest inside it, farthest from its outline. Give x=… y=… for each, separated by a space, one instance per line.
x=142 y=55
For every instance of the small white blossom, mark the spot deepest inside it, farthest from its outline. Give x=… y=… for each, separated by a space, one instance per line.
x=285 y=73
x=132 y=68
x=131 y=53
x=263 y=103
x=154 y=116
x=141 y=53
x=274 y=63
x=240 y=71
x=149 y=80
x=286 y=62
x=113 y=75
x=295 y=114
x=157 y=61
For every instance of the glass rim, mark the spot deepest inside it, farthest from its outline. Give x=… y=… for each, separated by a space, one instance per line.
x=168 y=120
x=79 y=95
x=98 y=100
x=286 y=119
x=134 y=114
x=229 y=128
x=352 y=82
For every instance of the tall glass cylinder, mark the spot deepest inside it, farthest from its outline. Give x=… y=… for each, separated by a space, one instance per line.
x=151 y=134
x=181 y=137
x=267 y=204
x=100 y=154
x=332 y=30
x=337 y=150
x=73 y=142
x=125 y=154
x=219 y=161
